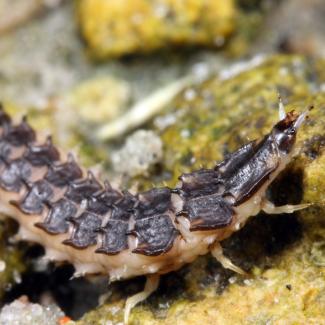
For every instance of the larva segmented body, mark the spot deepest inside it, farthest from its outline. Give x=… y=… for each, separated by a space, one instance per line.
x=103 y=230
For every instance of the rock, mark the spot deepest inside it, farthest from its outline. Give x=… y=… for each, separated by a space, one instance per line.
x=14 y=13
x=117 y=28
x=98 y=100
x=85 y=108
x=22 y=312
x=304 y=34
x=28 y=83
x=284 y=254
x=141 y=151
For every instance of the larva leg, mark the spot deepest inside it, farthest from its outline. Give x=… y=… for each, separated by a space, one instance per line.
x=217 y=252
x=270 y=208
x=150 y=286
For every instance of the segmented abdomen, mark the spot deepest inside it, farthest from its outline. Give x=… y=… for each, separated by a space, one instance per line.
x=95 y=226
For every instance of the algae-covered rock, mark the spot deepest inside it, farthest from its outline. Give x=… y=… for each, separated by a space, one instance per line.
x=116 y=28
x=97 y=100
x=284 y=254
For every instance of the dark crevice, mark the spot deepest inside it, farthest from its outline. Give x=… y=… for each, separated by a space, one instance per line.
x=75 y=297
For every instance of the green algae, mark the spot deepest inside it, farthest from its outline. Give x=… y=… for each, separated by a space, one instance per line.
x=284 y=254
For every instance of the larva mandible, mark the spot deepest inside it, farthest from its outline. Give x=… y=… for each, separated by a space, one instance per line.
x=100 y=229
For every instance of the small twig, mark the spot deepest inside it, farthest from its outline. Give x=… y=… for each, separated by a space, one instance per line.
x=143 y=110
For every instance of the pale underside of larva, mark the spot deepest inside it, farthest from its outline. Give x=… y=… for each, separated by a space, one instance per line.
x=103 y=230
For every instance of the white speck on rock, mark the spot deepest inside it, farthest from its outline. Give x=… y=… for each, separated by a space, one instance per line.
x=190 y=94
x=201 y=71
x=241 y=66
x=2 y=266
x=115 y=309
x=322 y=87
x=232 y=280
x=17 y=277
x=248 y=282
x=185 y=133
x=141 y=150
x=283 y=71
x=162 y=122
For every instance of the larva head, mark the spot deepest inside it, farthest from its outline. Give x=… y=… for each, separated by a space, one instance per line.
x=285 y=131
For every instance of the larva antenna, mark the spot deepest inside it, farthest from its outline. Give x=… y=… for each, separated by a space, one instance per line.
x=282 y=112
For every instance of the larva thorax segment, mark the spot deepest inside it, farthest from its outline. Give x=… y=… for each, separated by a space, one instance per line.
x=225 y=196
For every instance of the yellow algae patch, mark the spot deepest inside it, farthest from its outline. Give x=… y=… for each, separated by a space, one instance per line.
x=117 y=28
